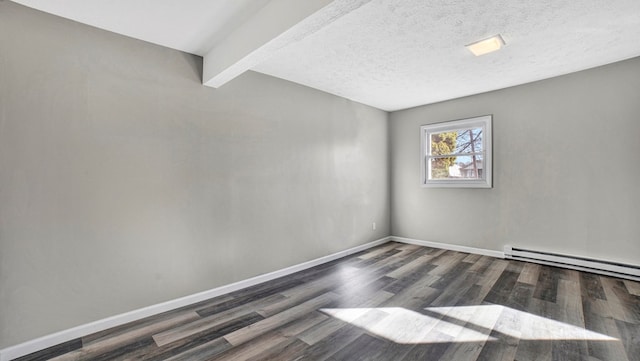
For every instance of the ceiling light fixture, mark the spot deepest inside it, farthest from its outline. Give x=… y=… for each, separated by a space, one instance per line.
x=486 y=46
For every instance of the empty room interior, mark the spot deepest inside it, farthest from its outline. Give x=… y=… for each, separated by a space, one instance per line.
x=319 y=180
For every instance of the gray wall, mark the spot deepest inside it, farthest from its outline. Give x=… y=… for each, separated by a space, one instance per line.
x=566 y=168
x=124 y=182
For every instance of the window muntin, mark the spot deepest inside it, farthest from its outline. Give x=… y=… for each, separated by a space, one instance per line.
x=457 y=153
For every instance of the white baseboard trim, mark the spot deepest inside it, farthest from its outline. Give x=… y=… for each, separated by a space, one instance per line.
x=451 y=247
x=44 y=342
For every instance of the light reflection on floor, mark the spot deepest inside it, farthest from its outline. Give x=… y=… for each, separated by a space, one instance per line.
x=462 y=324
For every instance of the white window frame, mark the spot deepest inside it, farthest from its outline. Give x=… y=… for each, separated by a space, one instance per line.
x=484 y=122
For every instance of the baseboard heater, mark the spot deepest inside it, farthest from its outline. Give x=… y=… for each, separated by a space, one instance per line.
x=608 y=268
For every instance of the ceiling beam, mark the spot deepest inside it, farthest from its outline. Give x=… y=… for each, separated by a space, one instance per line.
x=276 y=25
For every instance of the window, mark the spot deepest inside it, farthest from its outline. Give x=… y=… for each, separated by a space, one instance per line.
x=457 y=153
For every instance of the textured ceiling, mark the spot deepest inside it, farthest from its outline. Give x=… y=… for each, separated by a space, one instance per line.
x=192 y=26
x=396 y=54
x=392 y=54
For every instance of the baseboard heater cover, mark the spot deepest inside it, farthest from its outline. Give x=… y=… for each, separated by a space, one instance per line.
x=604 y=267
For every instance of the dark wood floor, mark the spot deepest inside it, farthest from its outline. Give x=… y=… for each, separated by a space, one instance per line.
x=392 y=302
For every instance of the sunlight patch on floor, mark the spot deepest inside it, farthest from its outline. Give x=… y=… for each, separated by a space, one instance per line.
x=462 y=324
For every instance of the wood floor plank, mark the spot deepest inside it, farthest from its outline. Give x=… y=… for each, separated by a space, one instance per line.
x=623 y=306
x=271 y=345
x=331 y=325
x=291 y=349
x=359 y=349
x=409 y=278
x=247 y=298
x=572 y=313
x=472 y=258
x=632 y=287
x=529 y=350
x=568 y=350
x=390 y=351
x=504 y=345
x=502 y=289
x=455 y=272
x=400 y=260
x=53 y=352
x=630 y=337
x=591 y=286
x=216 y=349
x=520 y=296
x=446 y=261
x=529 y=274
x=602 y=323
x=204 y=351
x=433 y=351
x=143 y=334
x=115 y=331
x=247 y=333
x=378 y=251
x=298 y=295
x=387 y=261
x=455 y=295
x=410 y=267
x=481 y=265
x=547 y=286
x=339 y=339
x=148 y=321
x=211 y=335
x=486 y=280
x=416 y=295
x=408 y=247
x=362 y=284
x=532 y=349
x=213 y=321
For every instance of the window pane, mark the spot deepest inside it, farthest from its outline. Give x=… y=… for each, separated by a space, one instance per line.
x=462 y=167
x=457 y=141
x=469 y=140
x=440 y=167
x=443 y=143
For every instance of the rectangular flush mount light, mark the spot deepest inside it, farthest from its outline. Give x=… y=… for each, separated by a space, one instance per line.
x=486 y=46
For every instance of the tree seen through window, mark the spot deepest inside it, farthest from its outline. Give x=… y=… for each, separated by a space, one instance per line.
x=456 y=154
